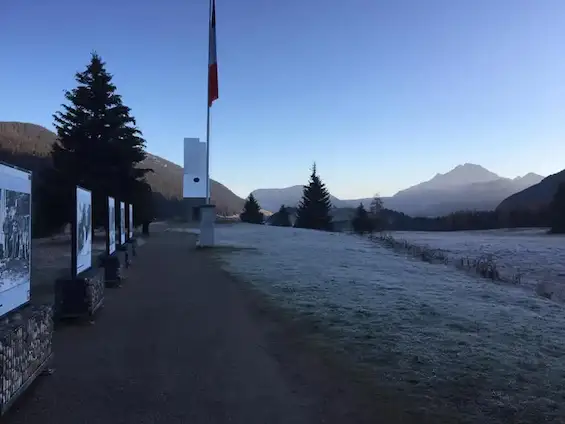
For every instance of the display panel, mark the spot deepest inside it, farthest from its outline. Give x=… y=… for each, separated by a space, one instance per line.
x=111 y=225
x=122 y=223
x=130 y=221
x=15 y=238
x=83 y=230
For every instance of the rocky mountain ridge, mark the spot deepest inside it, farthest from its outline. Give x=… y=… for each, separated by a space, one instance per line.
x=465 y=187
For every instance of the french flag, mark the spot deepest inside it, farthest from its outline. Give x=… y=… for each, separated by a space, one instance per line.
x=212 y=60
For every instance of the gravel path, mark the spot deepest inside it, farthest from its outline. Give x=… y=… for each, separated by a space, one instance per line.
x=183 y=342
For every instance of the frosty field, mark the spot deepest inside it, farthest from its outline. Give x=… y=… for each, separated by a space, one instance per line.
x=458 y=346
x=537 y=255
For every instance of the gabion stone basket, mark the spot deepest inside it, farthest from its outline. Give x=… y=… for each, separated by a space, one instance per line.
x=95 y=292
x=25 y=350
x=112 y=270
x=80 y=296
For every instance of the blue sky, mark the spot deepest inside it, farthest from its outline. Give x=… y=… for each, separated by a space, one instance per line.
x=381 y=94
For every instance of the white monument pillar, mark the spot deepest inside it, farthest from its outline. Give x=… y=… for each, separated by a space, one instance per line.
x=196 y=188
x=195 y=169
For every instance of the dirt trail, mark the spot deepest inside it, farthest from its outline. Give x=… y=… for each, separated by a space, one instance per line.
x=184 y=342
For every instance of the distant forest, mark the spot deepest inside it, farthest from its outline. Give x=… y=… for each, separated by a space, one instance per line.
x=389 y=220
x=467 y=220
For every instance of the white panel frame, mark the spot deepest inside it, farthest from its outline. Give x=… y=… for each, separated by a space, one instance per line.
x=130 y=221
x=111 y=225
x=84 y=259
x=122 y=223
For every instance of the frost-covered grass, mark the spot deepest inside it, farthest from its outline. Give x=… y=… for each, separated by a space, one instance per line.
x=465 y=348
x=538 y=256
x=534 y=252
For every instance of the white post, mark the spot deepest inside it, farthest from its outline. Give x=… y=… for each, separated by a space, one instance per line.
x=207 y=219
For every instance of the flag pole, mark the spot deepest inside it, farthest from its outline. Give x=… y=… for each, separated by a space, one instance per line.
x=208 y=106
x=208 y=156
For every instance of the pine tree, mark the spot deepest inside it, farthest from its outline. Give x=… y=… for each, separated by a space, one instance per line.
x=99 y=146
x=251 y=211
x=281 y=218
x=361 y=222
x=314 y=209
x=558 y=211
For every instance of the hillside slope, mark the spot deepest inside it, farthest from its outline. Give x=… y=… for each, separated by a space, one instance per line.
x=29 y=146
x=537 y=196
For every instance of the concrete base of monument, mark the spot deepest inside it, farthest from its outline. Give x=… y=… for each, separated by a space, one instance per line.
x=79 y=297
x=206 y=237
x=26 y=346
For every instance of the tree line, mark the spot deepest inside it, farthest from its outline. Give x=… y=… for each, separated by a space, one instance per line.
x=551 y=216
x=99 y=147
x=315 y=212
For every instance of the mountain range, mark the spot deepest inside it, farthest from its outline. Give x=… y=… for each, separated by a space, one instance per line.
x=465 y=187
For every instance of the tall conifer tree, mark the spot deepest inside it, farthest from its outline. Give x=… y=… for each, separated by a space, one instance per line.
x=251 y=211
x=99 y=145
x=314 y=209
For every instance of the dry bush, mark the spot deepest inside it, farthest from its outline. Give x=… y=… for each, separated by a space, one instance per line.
x=425 y=253
x=485 y=265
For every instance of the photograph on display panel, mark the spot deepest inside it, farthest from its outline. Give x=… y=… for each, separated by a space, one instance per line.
x=122 y=223
x=83 y=230
x=15 y=248
x=15 y=237
x=111 y=225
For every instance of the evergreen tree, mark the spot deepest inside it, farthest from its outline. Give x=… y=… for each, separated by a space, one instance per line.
x=251 y=211
x=281 y=218
x=362 y=222
x=558 y=210
x=99 y=146
x=314 y=209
